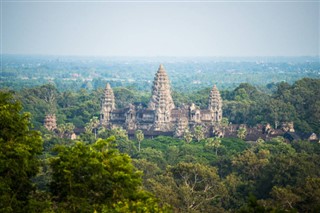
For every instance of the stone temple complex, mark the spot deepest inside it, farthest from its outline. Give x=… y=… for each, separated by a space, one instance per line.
x=161 y=116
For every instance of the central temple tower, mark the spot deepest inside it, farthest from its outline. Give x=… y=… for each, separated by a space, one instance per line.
x=161 y=101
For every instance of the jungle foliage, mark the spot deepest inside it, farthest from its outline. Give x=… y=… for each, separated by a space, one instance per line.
x=246 y=104
x=106 y=171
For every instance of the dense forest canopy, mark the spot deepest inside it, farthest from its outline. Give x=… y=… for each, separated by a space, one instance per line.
x=246 y=104
x=104 y=170
x=164 y=174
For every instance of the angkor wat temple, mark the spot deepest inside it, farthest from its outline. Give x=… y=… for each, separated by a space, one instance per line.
x=161 y=116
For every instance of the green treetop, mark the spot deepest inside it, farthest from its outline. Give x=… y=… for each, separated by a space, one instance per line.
x=19 y=147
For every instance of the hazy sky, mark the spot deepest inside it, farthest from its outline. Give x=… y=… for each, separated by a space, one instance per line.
x=161 y=28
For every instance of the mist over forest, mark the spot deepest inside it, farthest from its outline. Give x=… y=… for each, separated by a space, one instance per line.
x=187 y=74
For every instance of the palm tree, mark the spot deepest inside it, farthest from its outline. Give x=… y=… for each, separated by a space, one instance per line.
x=198 y=133
x=224 y=123
x=61 y=129
x=187 y=136
x=92 y=125
x=260 y=140
x=65 y=130
x=139 y=136
x=95 y=123
x=69 y=129
x=214 y=143
x=120 y=133
x=242 y=133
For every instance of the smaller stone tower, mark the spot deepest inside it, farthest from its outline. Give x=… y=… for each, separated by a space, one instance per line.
x=181 y=126
x=107 y=105
x=215 y=104
x=50 y=122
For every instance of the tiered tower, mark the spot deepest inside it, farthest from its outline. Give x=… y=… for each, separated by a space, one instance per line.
x=181 y=127
x=50 y=122
x=107 y=105
x=215 y=104
x=161 y=100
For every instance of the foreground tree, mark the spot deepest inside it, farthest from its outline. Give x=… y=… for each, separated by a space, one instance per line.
x=19 y=147
x=284 y=197
x=191 y=188
x=88 y=178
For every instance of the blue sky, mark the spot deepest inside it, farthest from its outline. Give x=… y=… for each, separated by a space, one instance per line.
x=218 y=28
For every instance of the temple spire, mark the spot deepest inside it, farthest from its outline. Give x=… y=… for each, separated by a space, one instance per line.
x=107 y=105
x=161 y=99
x=161 y=68
x=161 y=94
x=215 y=104
x=108 y=87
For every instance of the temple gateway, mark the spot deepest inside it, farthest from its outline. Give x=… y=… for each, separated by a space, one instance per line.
x=161 y=116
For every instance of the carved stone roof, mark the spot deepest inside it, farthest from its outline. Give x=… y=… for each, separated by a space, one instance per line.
x=145 y=111
x=161 y=93
x=205 y=111
x=215 y=100
x=108 y=97
x=120 y=111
